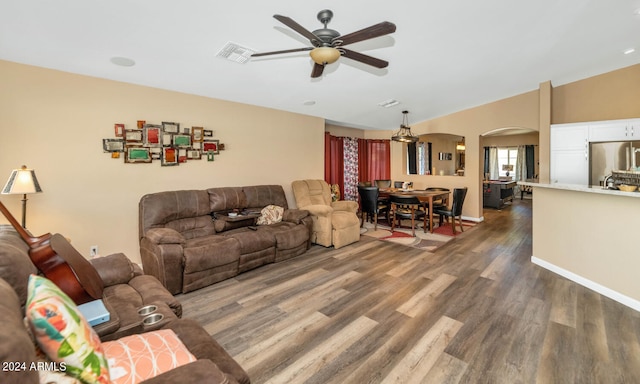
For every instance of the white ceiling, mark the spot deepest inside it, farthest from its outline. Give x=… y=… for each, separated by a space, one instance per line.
x=444 y=57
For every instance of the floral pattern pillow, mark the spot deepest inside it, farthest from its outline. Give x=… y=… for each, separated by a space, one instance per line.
x=63 y=333
x=270 y=214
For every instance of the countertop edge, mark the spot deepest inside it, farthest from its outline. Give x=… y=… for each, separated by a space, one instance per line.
x=581 y=188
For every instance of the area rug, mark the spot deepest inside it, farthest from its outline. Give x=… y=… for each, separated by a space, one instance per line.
x=426 y=241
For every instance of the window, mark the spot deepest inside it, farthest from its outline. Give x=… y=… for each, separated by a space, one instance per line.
x=507 y=158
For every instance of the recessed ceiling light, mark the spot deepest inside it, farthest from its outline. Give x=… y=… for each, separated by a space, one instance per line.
x=309 y=102
x=388 y=103
x=123 y=61
x=630 y=50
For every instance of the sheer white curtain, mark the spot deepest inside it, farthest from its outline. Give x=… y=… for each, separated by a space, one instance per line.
x=494 y=172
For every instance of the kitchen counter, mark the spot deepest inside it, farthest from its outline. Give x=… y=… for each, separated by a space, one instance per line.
x=582 y=188
x=588 y=235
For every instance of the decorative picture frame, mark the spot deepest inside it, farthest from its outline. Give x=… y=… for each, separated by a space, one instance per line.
x=156 y=153
x=112 y=145
x=194 y=154
x=170 y=127
x=167 y=139
x=211 y=146
x=197 y=134
x=133 y=136
x=210 y=156
x=169 y=157
x=152 y=135
x=207 y=133
x=181 y=141
x=118 y=130
x=136 y=154
x=182 y=155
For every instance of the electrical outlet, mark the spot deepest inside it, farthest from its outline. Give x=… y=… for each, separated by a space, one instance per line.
x=93 y=251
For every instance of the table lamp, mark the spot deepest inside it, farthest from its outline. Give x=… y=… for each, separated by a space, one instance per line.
x=22 y=181
x=508 y=168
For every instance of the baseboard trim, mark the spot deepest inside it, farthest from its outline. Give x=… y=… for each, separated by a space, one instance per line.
x=474 y=219
x=601 y=289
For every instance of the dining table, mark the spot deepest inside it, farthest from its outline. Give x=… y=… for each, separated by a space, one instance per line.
x=425 y=197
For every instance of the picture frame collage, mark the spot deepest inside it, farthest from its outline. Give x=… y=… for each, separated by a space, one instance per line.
x=165 y=142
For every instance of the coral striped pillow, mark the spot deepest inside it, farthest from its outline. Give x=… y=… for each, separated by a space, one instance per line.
x=135 y=358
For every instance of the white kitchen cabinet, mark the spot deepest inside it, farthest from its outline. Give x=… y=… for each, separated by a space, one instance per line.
x=569 y=162
x=569 y=167
x=614 y=130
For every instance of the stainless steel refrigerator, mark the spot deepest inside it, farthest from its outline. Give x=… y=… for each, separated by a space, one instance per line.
x=605 y=158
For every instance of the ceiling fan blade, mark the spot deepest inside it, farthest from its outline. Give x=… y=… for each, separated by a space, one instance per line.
x=317 y=70
x=377 y=30
x=289 y=22
x=284 y=51
x=366 y=59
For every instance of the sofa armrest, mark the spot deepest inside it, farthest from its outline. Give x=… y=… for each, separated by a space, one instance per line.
x=151 y=291
x=164 y=262
x=345 y=205
x=114 y=269
x=319 y=210
x=294 y=215
x=199 y=371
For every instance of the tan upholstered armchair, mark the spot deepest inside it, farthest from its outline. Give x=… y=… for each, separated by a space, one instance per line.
x=334 y=223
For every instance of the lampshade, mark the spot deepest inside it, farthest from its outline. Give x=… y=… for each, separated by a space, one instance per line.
x=324 y=55
x=404 y=134
x=22 y=181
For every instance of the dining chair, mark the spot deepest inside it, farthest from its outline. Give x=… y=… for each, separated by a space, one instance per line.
x=364 y=183
x=456 y=209
x=371 y=205
x=407 y=207
x=383 y=183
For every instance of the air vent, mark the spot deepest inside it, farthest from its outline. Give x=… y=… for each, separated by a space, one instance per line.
x=388 y=103
x=235 y=52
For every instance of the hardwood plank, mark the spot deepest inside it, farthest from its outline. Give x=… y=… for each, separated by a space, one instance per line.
x=422 y=357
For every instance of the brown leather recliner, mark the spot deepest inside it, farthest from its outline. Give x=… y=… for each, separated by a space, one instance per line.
x=125 y=291
x=334 y=222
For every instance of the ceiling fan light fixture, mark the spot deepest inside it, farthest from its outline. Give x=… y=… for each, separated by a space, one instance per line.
x=404 y=134
x=324 y=55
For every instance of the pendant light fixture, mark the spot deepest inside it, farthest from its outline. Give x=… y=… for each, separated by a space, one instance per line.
x=404 y=133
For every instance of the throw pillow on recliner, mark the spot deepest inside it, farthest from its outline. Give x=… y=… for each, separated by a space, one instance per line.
x=270 y=214
x=63 y=333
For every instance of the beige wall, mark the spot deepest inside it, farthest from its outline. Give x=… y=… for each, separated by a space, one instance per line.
x=589 y=236
x=54 y=122
x=609 y=96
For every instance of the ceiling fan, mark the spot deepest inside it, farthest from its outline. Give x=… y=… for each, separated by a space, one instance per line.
x=328 y=45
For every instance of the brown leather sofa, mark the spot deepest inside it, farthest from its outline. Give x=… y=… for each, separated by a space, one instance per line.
x=125 y=291
x=188 y=240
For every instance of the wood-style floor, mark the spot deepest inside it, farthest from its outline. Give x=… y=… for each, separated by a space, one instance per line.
x=474 y=311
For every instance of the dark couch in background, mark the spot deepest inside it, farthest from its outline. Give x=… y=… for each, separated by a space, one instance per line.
x=188 y=241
